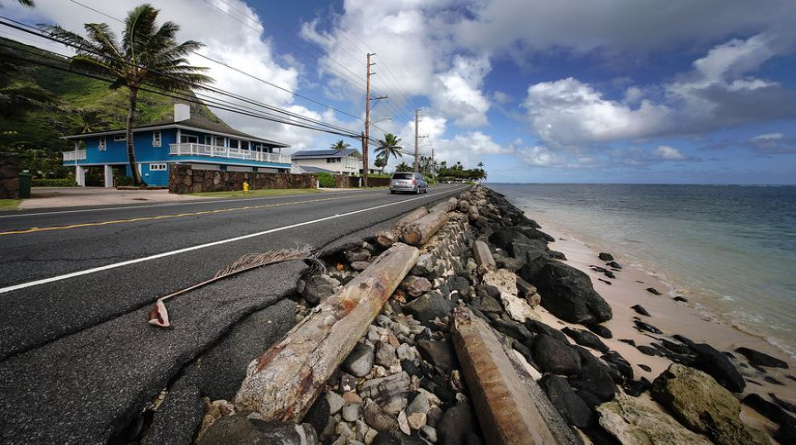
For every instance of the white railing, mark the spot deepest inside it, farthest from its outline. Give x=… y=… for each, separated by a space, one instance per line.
x=226 y=153
x=77 y=155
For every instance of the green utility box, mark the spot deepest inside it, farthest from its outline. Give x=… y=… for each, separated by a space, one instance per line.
x=24 y=185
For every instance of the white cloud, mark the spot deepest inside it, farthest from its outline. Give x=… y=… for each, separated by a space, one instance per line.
x=458 y=94
x=717 y=93
x=772 y=144
x=539 y=156
x=668 y=153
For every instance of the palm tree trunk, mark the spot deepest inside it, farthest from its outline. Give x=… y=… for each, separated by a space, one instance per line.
x=137 y=180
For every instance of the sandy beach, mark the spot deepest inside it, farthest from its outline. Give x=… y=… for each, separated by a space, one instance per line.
x=672 y=317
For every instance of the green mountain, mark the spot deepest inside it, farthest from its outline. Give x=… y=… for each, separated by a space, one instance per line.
x=65 y=103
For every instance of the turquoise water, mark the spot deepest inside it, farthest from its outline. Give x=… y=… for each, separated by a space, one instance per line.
x=731 y=250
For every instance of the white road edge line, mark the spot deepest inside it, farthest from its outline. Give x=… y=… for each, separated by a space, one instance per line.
x=203 y=246
x=161 y=205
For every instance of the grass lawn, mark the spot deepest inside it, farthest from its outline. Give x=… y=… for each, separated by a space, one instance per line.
x=9 y=204
x=257 y=193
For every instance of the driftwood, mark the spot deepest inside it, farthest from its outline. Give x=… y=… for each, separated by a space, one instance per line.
x=420 y=231
x=444 y=206
x=410 y=217
x=283 y=383
x=482 y=255
x=506 y=412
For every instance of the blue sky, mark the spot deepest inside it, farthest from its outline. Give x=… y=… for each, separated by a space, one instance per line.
x=620 y=91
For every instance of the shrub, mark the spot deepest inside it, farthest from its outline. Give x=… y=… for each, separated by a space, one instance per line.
x=326 y=180
x=124 y=181
x=64 y=182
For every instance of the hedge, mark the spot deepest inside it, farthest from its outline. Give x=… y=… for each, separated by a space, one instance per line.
x=65 y=182
x=326 y=180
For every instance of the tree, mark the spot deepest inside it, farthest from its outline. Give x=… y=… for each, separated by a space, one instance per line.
x=380 y=162
x=402 y=167
x=389 y=147
x=147 y=54
x=340 y=145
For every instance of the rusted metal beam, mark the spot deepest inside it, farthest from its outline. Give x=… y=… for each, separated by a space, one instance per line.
x=505 y=410
x=283 y=383
x=420 y=231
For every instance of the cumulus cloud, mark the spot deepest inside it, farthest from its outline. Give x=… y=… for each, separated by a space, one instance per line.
x=717 y=93
x=458 y=91
x=539 y=156
x=668 y=153
x=772 y=144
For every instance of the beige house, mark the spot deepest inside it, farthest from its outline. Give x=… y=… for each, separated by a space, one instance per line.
x=343 y=162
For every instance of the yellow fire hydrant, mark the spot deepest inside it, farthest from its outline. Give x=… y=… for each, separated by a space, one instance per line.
x=245 y=187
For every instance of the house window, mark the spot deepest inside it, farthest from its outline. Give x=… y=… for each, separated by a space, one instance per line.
x=157 y=167
x=332 y=160
x=208 y=140
x=156 y=139
x=119 y=137
x=189 y=139
x=233 y=143
x=102 y=144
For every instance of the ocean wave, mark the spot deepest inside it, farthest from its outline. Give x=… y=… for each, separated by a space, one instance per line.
x=782 y=346
x=726 y=298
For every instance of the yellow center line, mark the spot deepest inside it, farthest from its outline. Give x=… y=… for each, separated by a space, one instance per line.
x=176 y=215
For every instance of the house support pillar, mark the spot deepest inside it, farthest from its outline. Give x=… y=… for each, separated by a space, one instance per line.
x=80 y=175
x=108 y=170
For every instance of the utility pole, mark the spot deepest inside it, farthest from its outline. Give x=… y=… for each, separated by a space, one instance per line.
x=417 y=121
x=366 y=135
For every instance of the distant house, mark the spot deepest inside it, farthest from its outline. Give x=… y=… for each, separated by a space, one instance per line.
x=202 y=144
x=342 y=162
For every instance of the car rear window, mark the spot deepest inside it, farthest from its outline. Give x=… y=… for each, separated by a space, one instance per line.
x=402 y=176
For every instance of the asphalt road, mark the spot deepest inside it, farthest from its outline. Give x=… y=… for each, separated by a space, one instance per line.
x=76 y=356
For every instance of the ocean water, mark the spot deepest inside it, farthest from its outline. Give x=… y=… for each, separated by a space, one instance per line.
x=731 y=250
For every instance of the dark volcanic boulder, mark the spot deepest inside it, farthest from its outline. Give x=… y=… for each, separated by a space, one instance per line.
x=758 y=358
x=569 y=294
x=605 y=256
x=429 y=306
x=504 y=237
x=718 y=366
x=457 y=423
x=586 y=338
x=572 y=408
x=555 y=356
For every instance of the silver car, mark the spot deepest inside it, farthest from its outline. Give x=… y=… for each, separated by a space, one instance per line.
x=408 y=182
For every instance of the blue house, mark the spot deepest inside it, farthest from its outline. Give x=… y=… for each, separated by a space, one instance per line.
x=202 y=144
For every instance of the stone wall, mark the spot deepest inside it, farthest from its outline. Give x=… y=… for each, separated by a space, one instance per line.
x=184 y=179
x=9 y=176
x=353 y=182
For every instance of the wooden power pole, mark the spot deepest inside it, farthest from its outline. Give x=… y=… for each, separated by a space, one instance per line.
x=417 y=163
x=365 y=139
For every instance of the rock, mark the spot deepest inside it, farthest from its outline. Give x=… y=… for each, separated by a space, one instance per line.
x=605 y=256
x=782 y=403
x=540 y=328
x=395 y=437
x=675 y=347
x=528 y=292
x=648 y=350
x=512 y=329
x=415 y=286
x=240 y=429
x=428 y=433
x=556 y=255
x=595 y=379
x=636 y=387
x=600 y=330
x=347 y=382
x=360 y=360
x=352 y=412
x=461 y=285
x=406 y=352
x=376 y=419
x=653 y=291
x=430 y=306
x=456 y=424
x=633 y=423
x=640 y=310
x=318 y=414
x=701 y=404
x=335 y=401
x=434 y=416
x=681 y=299
x=616 y=361
x=403 y=423
x=644 y=367
x=614 y=264
x=718 y=366
x=419 y=404
x=571 y=407
x=416 y=421
x=757 y=358
x=506 y=283
x=489 y=305
x=438 y=353
x=357 y=255
x=555 y=357
x=351 y=397
x=568 y=294
x=385 y=355
x=585 y=338
x=641 y=326
x=385 y=387
x=360 y=265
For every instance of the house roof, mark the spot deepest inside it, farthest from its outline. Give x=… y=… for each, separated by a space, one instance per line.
x=330 y=153
x=187 y=124
x=309 y=169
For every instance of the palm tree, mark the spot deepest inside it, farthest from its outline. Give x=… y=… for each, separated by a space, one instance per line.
x=402 y=167
x=147 y=54
x=380 y=162
x=389 y=147
x=340 y=145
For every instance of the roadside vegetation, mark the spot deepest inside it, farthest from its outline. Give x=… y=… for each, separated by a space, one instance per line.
x=9 y=204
